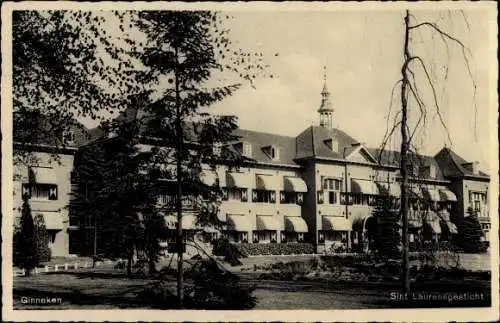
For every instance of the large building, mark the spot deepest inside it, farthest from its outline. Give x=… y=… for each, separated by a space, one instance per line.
x=318 y=187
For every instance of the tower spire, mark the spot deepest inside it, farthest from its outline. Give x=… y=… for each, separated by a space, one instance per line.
x=325 y=111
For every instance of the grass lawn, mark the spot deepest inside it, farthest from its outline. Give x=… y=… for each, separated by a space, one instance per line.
x=107 y=288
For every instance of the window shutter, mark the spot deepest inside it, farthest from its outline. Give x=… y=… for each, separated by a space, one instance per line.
x=282 y=197
x=26 y=190
x=254 y=196
x=300 y=198
x=272 y=197
x=53 y=193
x=244 y=195
x=342 y=198
x=320 y=197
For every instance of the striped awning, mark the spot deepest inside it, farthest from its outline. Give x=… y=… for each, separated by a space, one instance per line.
x=447 y=195
x=335 y=223
x=450 y=226
x=363 y=186
x=208 y=177
x=267 y=222
x=433 y=226
x=239 y=180
x=295 y=184
x=431 y=194
x=267 y=182
x=239 y=223
x=52 y=220
x=42 y=175
x=295 y=224
x=188 y=222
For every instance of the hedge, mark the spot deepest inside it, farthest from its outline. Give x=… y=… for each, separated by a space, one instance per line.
x=290 y=248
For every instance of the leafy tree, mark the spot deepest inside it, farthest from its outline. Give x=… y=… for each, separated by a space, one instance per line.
x=385 y=235
x=470 y=234
x=63 y=66
x=26 y=256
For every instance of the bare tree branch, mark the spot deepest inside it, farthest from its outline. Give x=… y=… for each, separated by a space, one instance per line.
x=437 y=106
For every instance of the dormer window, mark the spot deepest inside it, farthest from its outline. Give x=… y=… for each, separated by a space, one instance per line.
x=247 y=149
x=333 y=144
x=272 y=151
x=217 y=149
x=68 y=137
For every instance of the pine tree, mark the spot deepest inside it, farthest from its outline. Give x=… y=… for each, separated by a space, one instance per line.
x=42 y=239
x=386 y=232
x=26 y=240
x=470 y=234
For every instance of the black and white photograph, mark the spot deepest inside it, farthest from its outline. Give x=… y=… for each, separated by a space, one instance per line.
x=267 y=159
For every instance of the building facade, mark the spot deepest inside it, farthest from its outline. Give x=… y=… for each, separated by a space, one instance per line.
x=318 y=187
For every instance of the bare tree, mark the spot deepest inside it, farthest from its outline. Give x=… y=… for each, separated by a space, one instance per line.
x=410 y=95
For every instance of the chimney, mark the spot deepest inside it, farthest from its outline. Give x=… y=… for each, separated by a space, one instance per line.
x=472 y=167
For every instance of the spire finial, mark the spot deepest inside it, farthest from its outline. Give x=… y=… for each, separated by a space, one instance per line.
x=324 y=73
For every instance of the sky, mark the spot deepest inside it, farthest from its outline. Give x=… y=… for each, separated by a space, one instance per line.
x=362 y=53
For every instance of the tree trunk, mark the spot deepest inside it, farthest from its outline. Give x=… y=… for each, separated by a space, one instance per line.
x=129 y=264
x=403 y=162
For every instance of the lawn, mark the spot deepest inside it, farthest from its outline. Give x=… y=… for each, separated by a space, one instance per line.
x=103 y=288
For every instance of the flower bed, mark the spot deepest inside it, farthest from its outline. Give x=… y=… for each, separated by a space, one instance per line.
x=254 y=249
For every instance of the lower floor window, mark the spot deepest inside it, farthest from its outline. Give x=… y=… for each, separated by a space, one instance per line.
x=236 y=236
x=292 y=236
x=265 y=236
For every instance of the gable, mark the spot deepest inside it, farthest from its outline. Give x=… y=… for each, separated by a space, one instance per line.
x=360 y=155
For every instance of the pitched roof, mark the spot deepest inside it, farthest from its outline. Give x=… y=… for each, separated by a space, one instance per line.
x=312 y=142
x=452 y=164
x=259 y=140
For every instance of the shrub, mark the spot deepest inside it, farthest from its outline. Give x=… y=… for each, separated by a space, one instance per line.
x=274 y=248
x=214 y=289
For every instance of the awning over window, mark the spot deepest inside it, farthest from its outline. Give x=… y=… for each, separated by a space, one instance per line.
x=295 y=224
x=395 y=190
x=237 y=180
x=414 y=223
x=447 y=195
x=42 y=175
x=53 y=220
x=433 y=226
x=208 y=177
x=295 y=184
x=364 y=187
x=267 y=222
x=416 y=191
x=267 y=182
x=188 y=222
x=450 y=226
x=334 y=223
x=239 y=223
x=430 y=193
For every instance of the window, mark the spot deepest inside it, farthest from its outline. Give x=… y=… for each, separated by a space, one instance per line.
x=261 y=196
x=42 y=192
x=265 y=236
x=237 y=236
x=217 y=149
x=477 y=201
x=247 y=149
x=68 y=137
x=289 y=198
x=236 y=194
x=274 y=153
x=332 y=188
